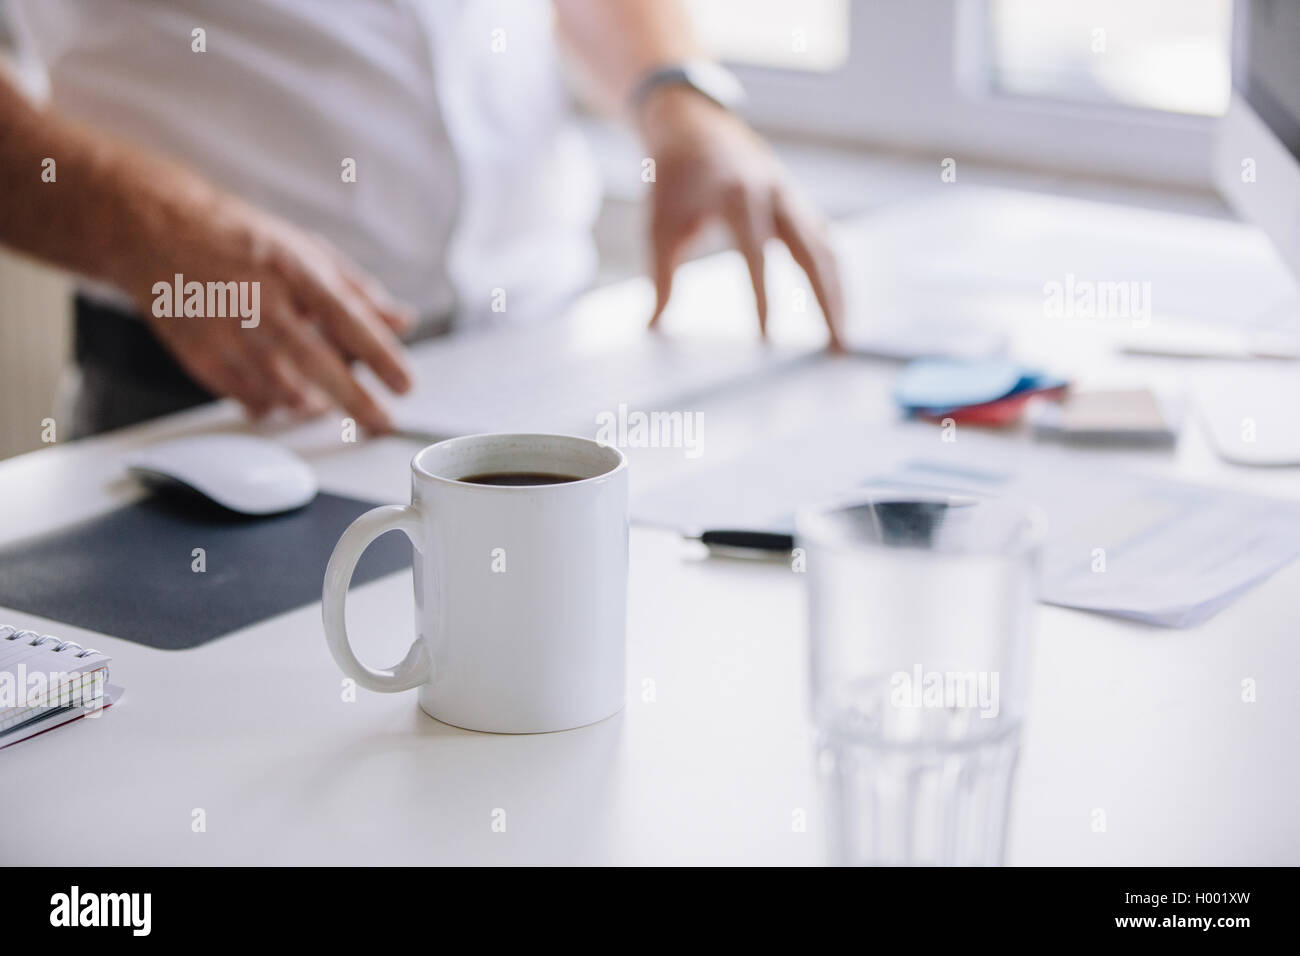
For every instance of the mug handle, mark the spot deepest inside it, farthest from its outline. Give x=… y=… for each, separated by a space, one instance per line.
x=414 y=668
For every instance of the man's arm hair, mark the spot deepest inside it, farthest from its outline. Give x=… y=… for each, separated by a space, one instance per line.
x=83 y=201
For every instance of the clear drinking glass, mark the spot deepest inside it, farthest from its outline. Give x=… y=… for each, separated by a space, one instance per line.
x=920 y=607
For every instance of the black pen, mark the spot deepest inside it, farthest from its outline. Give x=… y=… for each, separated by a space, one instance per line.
x=736 y=540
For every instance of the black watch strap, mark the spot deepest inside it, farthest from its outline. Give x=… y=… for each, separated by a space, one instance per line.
x=709 y=79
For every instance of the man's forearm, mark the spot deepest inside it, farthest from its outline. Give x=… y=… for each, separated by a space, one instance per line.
x=620 y=41
x=99 y=207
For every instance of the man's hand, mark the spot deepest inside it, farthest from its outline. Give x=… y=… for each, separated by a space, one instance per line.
x=317 y=313
x=134 y=218
x=710 y=165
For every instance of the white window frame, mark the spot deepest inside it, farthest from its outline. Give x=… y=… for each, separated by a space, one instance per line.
x=883 y=96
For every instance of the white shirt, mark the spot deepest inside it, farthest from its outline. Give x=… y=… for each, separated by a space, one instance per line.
x=472 y=186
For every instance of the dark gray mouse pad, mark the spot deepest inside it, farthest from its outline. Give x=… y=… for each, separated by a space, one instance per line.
x=132 y=572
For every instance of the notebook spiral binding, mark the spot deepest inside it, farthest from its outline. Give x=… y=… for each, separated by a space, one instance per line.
x=10 y=633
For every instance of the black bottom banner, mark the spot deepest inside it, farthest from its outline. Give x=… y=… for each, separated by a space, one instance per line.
x=337 y=906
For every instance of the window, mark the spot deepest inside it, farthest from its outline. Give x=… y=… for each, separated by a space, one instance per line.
x=789 y=34
x=1010 y=80
x=1137 y=53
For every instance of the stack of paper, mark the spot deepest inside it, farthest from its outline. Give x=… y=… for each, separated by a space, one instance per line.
x=1136 y=416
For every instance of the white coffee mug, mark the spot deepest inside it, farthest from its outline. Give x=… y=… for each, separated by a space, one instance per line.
x=520 y=591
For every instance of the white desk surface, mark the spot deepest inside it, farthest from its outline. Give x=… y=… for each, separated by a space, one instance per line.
x=1143 y=723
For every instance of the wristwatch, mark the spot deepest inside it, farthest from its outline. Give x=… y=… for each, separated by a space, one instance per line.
x=711 y=80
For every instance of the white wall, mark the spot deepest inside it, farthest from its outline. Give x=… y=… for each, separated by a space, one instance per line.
x=34 y=341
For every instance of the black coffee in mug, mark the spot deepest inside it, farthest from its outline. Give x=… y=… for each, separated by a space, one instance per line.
x=519 y=478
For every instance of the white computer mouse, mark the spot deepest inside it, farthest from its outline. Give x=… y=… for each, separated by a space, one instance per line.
x=243 y=473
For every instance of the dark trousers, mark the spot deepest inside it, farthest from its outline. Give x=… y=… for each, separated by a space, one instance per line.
x=126 y=376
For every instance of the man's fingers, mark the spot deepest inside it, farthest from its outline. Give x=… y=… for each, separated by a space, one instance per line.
x=289 y=384
x=317 y=360
x=357 y=334
x=276 y=369
x=815 y=257
x=398 y=317
x=238 y=379
x=218 y=369
x=318 y=403
x=370 y=338
x=666 y=241
x=320 y=292
x=750 y=219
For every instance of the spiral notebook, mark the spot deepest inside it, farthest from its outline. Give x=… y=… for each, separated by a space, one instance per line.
x=46 y=682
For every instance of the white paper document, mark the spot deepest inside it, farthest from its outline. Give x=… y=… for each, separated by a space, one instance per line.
x=1164 y=552
x=558 y=377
